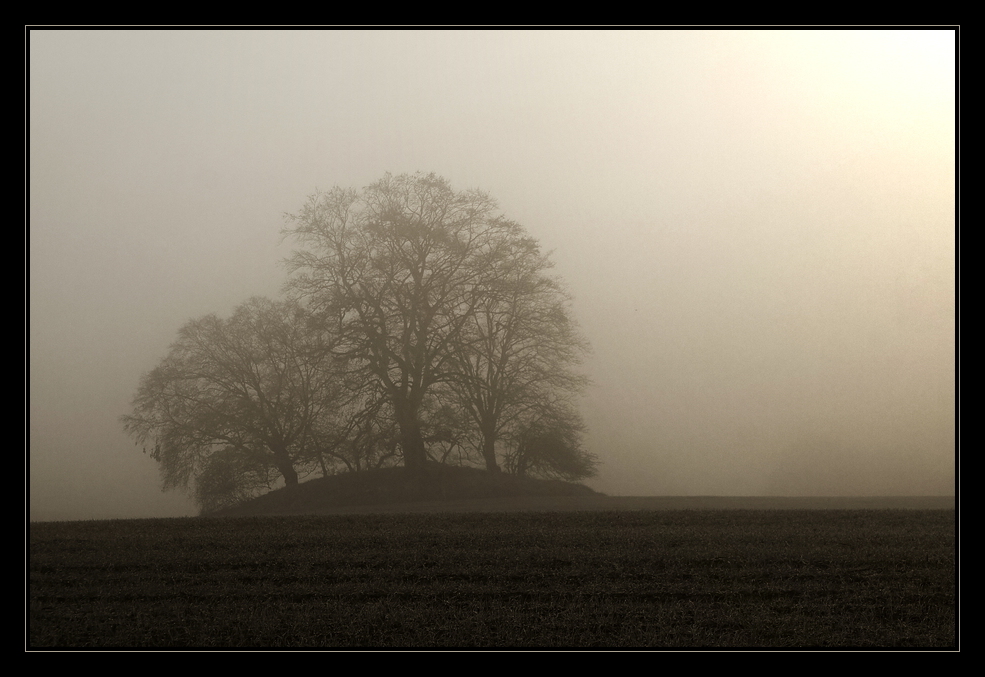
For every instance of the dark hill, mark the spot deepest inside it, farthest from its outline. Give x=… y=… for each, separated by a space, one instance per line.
x=444 y=483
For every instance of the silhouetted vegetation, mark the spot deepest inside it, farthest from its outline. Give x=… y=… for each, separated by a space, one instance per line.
x=421 y=327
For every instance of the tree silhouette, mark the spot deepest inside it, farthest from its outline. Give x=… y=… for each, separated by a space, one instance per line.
x=399 y=271
x=519 y=349
x=422 y=326
x=253 y=387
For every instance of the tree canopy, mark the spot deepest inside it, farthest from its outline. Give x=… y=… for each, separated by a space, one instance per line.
x=425 y=286
x=422 y=324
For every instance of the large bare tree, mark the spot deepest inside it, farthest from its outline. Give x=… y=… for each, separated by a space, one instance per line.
x=408 y=272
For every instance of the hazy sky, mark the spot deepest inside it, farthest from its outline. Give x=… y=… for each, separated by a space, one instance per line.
x=757 y=227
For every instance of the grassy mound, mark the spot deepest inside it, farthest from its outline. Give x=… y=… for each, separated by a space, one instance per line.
x=395 y=485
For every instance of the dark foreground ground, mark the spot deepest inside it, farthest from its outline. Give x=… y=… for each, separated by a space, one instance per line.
x=569 y=578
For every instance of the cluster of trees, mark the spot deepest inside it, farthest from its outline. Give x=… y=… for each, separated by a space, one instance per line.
x=420 y=325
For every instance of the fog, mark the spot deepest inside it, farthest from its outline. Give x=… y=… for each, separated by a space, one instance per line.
x=757 y=228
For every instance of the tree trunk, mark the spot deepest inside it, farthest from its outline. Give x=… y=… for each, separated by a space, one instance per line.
x=520 y=469
x=412 y=443
x=489 y=452
x=411 y=439
x=286 y=467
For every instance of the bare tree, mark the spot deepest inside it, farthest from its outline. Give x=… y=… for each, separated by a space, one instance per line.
x=420 y=321
x=398 y=270
x=519 y=348
x=254 y=387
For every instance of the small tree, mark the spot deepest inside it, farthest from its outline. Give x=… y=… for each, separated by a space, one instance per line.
x=547 y=444
x=235 y=397
x=231 y=476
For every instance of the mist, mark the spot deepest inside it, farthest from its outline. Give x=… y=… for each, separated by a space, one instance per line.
x=757 y=229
